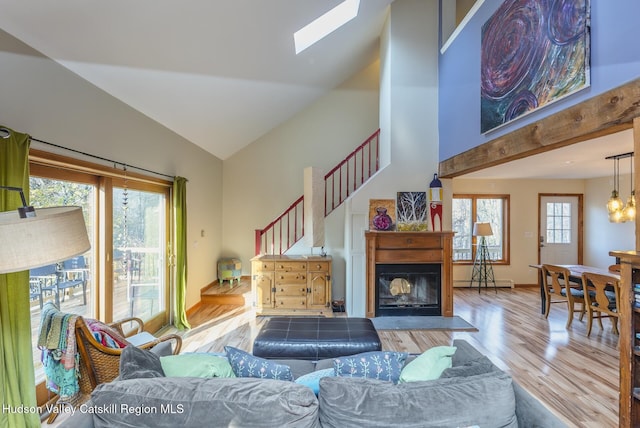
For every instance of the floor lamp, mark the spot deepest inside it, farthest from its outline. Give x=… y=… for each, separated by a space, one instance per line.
x=482 y=267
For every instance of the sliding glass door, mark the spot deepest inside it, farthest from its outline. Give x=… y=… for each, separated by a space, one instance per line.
x=125 y=273
x=139 y=253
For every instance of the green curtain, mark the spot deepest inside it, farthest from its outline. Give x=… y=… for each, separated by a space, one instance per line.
x=17 y=378
x=180 y=228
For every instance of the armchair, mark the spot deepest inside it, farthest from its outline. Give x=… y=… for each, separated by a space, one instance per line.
x=97 y=363
x=100 y=364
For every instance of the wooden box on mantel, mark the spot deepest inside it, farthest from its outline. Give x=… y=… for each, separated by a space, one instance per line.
x=409 y=248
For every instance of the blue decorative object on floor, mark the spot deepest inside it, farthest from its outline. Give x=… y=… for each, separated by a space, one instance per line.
x=422 y=323
x=228 y=270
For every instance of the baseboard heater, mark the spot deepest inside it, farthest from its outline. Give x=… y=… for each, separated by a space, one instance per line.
x=502 y=283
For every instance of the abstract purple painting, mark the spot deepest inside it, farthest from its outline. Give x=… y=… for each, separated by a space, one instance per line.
x=534 y=52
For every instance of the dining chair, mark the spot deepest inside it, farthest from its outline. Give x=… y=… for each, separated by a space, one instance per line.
x=558 y=289
x=601 y=295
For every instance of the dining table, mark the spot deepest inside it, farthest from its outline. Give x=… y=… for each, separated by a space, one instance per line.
x=575 y=276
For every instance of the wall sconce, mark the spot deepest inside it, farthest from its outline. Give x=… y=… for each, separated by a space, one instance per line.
x=618 y=211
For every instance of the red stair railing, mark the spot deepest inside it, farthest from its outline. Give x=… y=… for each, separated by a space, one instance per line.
x=283 y=232
x=344 y=179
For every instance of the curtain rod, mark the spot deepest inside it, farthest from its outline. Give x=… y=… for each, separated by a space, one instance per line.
x=101 y=158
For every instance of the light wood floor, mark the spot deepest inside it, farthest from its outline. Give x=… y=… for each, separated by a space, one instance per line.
x=574 y=375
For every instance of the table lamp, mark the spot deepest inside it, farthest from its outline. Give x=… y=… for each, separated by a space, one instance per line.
x=37 y=237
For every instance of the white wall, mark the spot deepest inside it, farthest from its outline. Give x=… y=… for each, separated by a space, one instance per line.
x=266 y=177
x=409 y=96
x=45 y=100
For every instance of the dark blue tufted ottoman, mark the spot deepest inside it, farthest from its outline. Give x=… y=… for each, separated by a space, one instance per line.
x=314 y=338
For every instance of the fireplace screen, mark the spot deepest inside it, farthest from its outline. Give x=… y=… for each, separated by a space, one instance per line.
x=407 y=289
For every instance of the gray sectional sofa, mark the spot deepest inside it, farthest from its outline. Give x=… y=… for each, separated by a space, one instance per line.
x=473 y=393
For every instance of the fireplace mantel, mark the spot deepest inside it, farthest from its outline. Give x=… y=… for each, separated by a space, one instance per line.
x=409 y=248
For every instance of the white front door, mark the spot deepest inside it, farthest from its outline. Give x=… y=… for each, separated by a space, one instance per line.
x=559 y=232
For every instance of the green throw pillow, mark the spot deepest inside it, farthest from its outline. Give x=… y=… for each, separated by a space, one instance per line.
x=429 y=365
x=196 y=365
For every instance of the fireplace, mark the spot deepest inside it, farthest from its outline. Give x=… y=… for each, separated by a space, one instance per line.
x=409 y=273
x=407 y=289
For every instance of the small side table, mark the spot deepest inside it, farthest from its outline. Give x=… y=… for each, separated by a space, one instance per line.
x=228 y=270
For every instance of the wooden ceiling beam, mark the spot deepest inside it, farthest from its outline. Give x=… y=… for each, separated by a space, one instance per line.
x=604 y=114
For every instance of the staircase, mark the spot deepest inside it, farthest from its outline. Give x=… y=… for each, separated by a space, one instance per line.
x=339 y=183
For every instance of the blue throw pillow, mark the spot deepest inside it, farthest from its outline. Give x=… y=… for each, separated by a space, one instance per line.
x=312 y=380
x=244 y=364
x=381 y=365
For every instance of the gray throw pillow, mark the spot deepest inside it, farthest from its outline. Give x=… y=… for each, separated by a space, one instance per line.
x=138 y=363
x=475 y=367
x=380 y=365
x=244 y=364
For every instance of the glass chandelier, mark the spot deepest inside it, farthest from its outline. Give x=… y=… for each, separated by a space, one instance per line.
x=618 y=211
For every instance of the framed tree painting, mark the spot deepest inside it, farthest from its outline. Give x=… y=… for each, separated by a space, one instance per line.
x=412 y=211
x=533 y=53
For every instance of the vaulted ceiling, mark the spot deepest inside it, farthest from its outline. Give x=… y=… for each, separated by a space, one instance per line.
x=219 y=73
x=223 y=73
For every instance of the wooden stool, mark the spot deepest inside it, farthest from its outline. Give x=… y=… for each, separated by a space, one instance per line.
x=228 y=270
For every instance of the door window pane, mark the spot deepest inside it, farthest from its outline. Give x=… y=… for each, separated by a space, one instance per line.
x=558 y=223
x=138 y=253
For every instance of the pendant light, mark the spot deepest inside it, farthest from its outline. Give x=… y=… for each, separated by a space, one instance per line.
x=629 y=211
x=618 y=211
x=614 y=205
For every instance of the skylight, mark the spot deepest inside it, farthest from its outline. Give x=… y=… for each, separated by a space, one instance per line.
x=325 y=24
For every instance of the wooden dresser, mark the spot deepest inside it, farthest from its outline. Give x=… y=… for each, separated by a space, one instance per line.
x=286 y=285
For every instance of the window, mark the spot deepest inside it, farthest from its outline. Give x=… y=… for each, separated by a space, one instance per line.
x=469 y=209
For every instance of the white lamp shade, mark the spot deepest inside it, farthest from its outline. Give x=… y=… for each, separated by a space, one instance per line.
x=482 y=229
x=53 y=235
